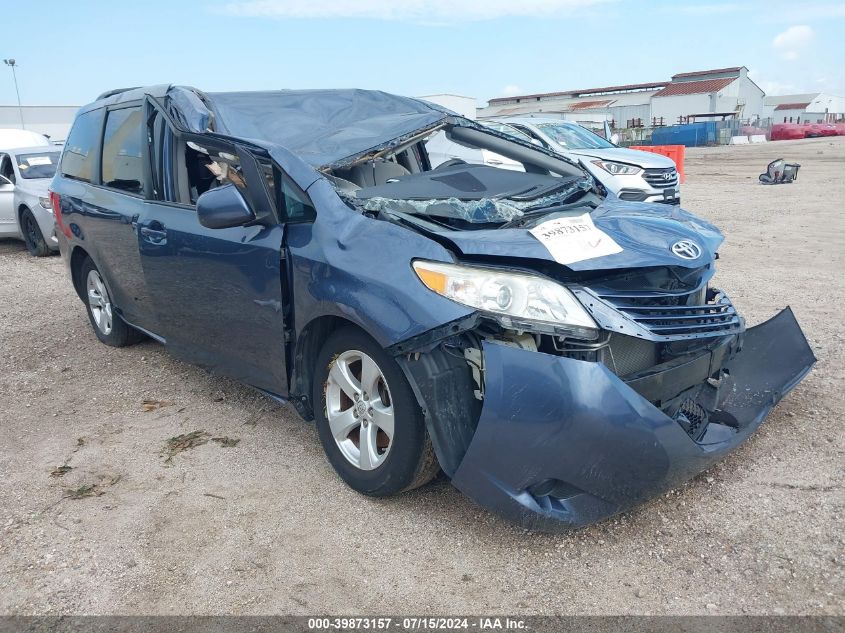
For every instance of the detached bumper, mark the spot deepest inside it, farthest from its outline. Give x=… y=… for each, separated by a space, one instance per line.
x=562 y=443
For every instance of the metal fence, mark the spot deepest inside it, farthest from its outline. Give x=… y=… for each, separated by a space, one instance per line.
x=640 y=132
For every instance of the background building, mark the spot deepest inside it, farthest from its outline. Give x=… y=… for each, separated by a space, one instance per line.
x=815 y=107
x=620 y=104
x=465 y=106
x=723 y=93
x=720 y=93
x=54 y=121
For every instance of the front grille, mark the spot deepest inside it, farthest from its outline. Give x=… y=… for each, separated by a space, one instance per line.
x=669 y=315
x=661 y=178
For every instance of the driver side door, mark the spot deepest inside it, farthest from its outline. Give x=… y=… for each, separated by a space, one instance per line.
x=217 y=292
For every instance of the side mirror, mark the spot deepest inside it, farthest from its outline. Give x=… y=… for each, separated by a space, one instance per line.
x=614 y=138
x=6 y=184
x=223 y=207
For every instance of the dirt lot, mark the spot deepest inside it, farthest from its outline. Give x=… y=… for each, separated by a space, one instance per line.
x=266 y=527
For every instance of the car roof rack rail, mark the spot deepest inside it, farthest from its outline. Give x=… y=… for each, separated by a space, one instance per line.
x=116 y=91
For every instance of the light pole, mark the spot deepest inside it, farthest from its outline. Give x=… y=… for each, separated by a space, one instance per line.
x=11 y=64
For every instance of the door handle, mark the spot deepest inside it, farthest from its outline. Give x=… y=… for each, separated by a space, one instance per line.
x=154 y=232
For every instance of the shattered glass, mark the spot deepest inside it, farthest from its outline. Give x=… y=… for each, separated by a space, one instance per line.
x=477 y=211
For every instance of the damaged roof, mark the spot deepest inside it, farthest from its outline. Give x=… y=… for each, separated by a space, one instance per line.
x=322 y=127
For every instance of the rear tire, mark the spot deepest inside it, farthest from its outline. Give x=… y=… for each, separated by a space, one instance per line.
x=107 y=324
x=32 y=236
x=358 y=389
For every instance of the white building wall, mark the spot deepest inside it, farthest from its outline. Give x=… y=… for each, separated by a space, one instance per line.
x=753 y=97
x=670 y=108
x=623 y=114
x=831 y=104
x=797 y=116
x=465 y=106
x=54 y=121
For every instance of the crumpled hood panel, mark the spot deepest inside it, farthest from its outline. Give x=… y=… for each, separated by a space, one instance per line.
x=646 y=233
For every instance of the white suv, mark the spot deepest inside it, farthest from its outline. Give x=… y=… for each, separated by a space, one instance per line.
x=629 y=174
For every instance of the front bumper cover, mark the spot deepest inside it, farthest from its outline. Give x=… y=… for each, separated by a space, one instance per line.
x=562 y=443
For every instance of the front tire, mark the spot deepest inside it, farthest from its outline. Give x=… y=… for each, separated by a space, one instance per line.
x=368 y=419
x=32 y=236
x=107 y=324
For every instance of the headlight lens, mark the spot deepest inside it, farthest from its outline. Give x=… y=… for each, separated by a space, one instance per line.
x=617 y=169
x=515 y=299
x=45 y=202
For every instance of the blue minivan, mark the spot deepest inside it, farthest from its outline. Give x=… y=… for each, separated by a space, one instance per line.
x=558 y=353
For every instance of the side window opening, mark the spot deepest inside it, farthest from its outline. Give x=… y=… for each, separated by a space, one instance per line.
x=208 y=168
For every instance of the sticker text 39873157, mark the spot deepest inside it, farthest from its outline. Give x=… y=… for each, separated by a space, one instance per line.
x=574 y=239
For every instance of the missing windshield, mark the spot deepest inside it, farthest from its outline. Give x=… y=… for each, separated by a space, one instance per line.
x=483 y=210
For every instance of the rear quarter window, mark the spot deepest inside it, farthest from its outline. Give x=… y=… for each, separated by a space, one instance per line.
x=81 y=146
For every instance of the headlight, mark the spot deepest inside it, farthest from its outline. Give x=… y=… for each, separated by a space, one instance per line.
x=515 y=299
x=617 y=169
x=45 y=202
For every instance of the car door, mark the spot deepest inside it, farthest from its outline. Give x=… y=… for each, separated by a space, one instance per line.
x=8 y=225
x=217 y=292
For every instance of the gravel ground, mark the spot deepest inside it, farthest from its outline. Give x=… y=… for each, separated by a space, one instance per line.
x=266 y=527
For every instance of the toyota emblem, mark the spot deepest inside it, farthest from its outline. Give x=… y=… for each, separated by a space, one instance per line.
x=686 y=249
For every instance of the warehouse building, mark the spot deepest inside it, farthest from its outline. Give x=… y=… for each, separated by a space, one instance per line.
x=720 y=93
x=54 y=121
x=620 y=104
x=723 y=93
x=815 y=107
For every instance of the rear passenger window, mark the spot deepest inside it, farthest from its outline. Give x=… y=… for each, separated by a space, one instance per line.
x=122 y=165
x=78 y=157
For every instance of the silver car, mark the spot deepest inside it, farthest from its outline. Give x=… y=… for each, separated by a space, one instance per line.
x=629 y=174
x=25 y=210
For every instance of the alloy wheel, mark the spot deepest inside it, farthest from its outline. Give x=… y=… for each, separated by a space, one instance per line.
x=359 y=409
x=99 y=302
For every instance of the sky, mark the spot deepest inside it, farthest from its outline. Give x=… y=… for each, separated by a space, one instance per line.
x=69 y=52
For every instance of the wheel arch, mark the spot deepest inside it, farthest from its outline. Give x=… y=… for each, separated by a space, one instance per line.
x=77 y=257
x=304 y=356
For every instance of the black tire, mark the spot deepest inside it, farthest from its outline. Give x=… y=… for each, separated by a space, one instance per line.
x=119 y=334
x=32 y=236
x=411 y=461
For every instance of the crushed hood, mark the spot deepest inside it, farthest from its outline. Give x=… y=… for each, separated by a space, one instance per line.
x=322 y=127
x=645 y=233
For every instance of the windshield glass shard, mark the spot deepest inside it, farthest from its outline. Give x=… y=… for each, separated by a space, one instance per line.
x=484 y=210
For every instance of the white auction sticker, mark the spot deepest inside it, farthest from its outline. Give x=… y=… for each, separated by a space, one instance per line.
x=39 y=160
x=574 y=239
